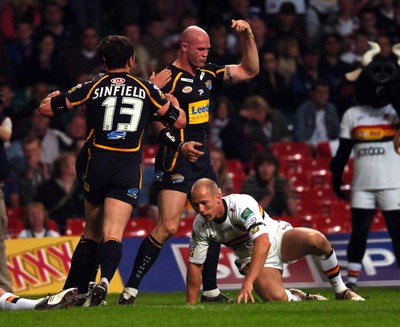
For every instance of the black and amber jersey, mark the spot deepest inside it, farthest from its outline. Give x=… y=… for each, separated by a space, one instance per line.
x=193 y=94
x=118 y=108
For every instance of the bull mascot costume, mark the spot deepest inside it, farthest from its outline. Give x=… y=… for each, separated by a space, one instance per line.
x=368 y=129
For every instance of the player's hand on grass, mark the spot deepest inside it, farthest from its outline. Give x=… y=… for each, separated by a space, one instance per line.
x=190 y=152
x=245 y=294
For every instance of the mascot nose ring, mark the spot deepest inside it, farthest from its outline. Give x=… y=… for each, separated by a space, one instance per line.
x=382 y=72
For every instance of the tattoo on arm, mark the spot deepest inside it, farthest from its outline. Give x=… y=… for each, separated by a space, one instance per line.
x=228 y=73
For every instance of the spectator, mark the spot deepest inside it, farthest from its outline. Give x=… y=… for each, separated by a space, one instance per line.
x=317 y=119
x=271 y=190
x=385 y=16
x=77 y=129
x=11 y=192
x=87 y=13
x=332 y=63
x=143 y=66
x=394 y=31
x=61 y=194
x=316 y=15
x=54 y=23
x=219 y=52
x=271 y=85
x=218 y=161
x=289 y=57
x=53 y=141
x=343 y=22
x=287 y=23
x=15 y=12
x=20 y=50
x=357 y=48
x=33 y=173
x=83 y=60
x=36 y=221
x=223 y=109
x=45 y=64
x=260 y=31
x=302 y=80
x=153 y=39
x=368 y=23
x=252 y=130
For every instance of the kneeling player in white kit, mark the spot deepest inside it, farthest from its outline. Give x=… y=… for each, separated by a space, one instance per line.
x=262 y=245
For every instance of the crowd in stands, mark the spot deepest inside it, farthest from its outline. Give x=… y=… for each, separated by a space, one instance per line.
x=305 y=48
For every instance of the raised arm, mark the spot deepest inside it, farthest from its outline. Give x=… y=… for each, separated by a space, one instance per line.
x=249 y=66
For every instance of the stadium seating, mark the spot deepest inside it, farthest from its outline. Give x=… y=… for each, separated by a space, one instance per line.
x=15 y=217
x=378 y=223
x=74 y=226
x=149 y=154
x=237 y=174
x=291 y=149
x=185 y=228
x=139 y=227
x=331 y=224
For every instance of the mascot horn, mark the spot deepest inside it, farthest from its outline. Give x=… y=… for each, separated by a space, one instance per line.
x=378 y=81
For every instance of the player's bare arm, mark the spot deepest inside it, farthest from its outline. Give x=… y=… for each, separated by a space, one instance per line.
x=249 y=67
x=258 y=258
x=193 y=282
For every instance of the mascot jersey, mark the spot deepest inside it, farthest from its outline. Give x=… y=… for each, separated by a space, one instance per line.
x=376 y=164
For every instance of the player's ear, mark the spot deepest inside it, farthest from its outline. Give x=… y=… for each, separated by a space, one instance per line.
x=184 y=46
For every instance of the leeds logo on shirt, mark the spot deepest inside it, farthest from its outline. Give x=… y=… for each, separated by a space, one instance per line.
x=199 y=112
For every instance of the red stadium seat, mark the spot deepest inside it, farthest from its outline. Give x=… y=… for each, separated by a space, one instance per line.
x=331 y=224
x=52 y=224
x=149 y=154
x=139 y=227
x=291 y=149
x=14 y=213
x=15 y=217
x=378 y=223
x=74 y=226
x=185 y=228
x=237 y=174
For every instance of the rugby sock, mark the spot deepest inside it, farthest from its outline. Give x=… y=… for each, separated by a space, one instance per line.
x=330 y=267
x=9 y=301
x=84 y=262
x=353 y=271
x=111 y=254
x=145 y=258
x=209 y=274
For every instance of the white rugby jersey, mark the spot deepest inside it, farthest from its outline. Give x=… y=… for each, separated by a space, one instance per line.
x=245 y=220
x=376 y=164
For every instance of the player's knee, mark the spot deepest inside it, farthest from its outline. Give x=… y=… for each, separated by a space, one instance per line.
x=319 y=243
x=277 y=295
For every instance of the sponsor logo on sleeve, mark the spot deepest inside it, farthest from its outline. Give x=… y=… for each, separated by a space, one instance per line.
x=246 y=213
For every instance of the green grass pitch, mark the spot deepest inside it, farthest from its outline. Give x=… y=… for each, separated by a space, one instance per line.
x=381 y=308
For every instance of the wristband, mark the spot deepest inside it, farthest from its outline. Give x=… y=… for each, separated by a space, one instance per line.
x=171 y=115
x=166 y=138
x=59 y=104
